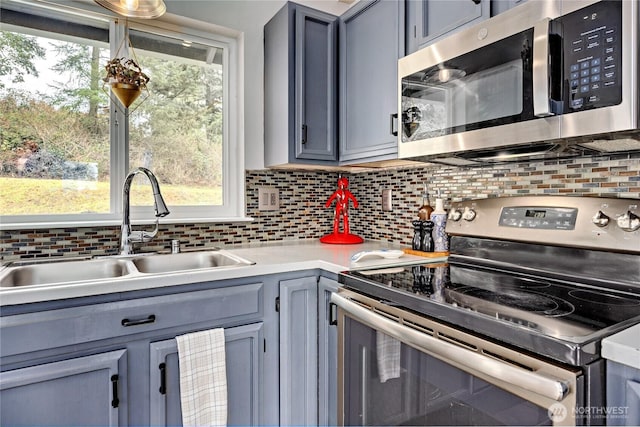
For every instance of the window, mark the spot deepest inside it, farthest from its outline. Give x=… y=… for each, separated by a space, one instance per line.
x=67 y=144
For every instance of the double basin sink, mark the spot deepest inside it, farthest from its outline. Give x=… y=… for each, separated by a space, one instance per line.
x=64 y=272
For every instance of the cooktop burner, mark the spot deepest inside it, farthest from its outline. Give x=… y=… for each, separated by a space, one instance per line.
x=523 y=309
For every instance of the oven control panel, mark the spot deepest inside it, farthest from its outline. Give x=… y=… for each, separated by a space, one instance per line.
x=547 y=218
x=586 y=222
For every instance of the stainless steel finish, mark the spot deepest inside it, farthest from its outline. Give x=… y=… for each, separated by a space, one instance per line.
x=499 y=27
x=541 y=107
x=455 y=214
x=585 y=235
x=128 y=237
x=629 y=222
x=175 y=246
x=187 y=261
x=115 y=268
x=468 y=214
x=64 y=272
x=548 y=136
x=537 y=381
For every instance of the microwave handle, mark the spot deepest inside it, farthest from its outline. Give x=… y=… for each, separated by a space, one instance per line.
x=541 y=69
x=462 y=358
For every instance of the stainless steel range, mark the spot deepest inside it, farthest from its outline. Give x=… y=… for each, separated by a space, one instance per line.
x=508 y=331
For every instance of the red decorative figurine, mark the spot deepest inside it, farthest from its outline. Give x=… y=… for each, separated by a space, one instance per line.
x=342 y=197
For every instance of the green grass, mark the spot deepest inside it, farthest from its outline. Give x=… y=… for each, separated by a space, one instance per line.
x=22 y=196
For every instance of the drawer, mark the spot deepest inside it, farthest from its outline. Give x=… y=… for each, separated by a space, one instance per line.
x=30 y=332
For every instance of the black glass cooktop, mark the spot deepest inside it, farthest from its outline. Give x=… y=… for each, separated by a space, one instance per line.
x=525 y=310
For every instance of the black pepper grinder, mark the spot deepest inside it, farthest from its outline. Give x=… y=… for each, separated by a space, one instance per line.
x=416 y=243
x=427 y=243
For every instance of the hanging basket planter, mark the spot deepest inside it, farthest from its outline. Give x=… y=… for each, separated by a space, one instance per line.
x=126 y=79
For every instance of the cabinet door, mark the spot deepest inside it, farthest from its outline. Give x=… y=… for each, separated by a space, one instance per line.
x=299 y=351
x=499 y=6
x=88 y=391
x=370 y=44
x=316 y=85
x=243 y=347
x=429 y=20
x=327 y=354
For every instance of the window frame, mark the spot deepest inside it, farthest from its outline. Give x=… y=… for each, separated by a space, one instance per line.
x=179 y=28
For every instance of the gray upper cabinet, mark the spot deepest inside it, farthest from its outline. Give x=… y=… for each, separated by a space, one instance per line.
x=300 y=78
x=430 y=20
x=370 y=44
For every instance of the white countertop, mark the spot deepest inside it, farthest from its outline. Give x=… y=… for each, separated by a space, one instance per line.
x=623 y=347
x=269 y=258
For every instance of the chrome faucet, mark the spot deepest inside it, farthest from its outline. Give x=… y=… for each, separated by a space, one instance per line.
x=129 y=237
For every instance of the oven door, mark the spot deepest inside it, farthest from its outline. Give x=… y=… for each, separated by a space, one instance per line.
x=397 y=368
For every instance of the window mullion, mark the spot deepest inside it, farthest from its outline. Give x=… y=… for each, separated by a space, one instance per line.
x=119 y=123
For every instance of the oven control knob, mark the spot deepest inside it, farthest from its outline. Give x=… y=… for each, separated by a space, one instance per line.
x=629 y=221
x=455 y=214
x=468 y=214
x=600 y=219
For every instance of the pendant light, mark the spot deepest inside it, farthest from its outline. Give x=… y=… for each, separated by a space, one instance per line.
x=144 y=9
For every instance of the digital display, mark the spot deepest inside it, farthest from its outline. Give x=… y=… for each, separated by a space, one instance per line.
x=535 y=213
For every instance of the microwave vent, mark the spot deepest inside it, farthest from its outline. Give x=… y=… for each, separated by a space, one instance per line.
x=613 y=145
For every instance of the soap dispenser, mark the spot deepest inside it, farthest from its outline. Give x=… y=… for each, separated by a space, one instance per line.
x=439 y=219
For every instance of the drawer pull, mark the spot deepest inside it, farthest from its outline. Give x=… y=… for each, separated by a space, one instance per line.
x=146 y=320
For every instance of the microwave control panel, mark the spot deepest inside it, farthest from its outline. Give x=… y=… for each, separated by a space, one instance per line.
x=592 y=45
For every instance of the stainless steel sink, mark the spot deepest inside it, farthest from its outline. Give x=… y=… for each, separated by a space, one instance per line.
x=187 y=261
x=64 y=272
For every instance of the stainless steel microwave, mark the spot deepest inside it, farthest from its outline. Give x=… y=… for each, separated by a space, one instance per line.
x=536 y=76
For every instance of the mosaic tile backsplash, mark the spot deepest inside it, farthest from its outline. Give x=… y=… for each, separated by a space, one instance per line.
x=302 y=214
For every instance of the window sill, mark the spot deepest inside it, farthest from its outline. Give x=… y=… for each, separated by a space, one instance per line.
x=109 y=223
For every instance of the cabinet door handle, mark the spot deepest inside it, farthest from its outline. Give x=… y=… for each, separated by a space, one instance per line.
x=304 y=134
x=149 y=319
x=477 y=1
x=333 y=314
x=114 y=391
x=392 y=120
x=163 y=378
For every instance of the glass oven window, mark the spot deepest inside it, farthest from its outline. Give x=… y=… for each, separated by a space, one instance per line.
x=487 y=87
x=423 y=391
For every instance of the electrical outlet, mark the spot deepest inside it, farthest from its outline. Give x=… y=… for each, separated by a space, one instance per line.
x=386 y=200
x=268 y=199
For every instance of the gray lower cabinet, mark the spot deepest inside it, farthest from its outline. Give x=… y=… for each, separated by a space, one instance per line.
x=99 y=363
x=308 y=352
x=327 y=354
x=300 y=80
x=89 y=391
x=623 y=394
x=370 y=44
x=244 y=363
x=430 y=20
x=298 y=351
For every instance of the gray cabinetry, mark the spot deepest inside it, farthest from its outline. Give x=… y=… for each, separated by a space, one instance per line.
x=298 y=351
x=70 y=362
x=370 y=45
x=499 y=6
x=300 y=72
x=327 y=354
x=623 y=394
x=89 y=391
x=244 y=362
x=429 y=20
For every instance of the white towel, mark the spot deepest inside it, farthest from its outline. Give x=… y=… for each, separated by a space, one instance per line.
x=388 y=354
x=203 y=378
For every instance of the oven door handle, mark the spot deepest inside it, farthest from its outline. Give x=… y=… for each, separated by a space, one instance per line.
x=462 y=358
x=541 y=69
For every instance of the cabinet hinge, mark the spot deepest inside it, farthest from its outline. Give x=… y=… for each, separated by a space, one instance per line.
x=277 y=304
